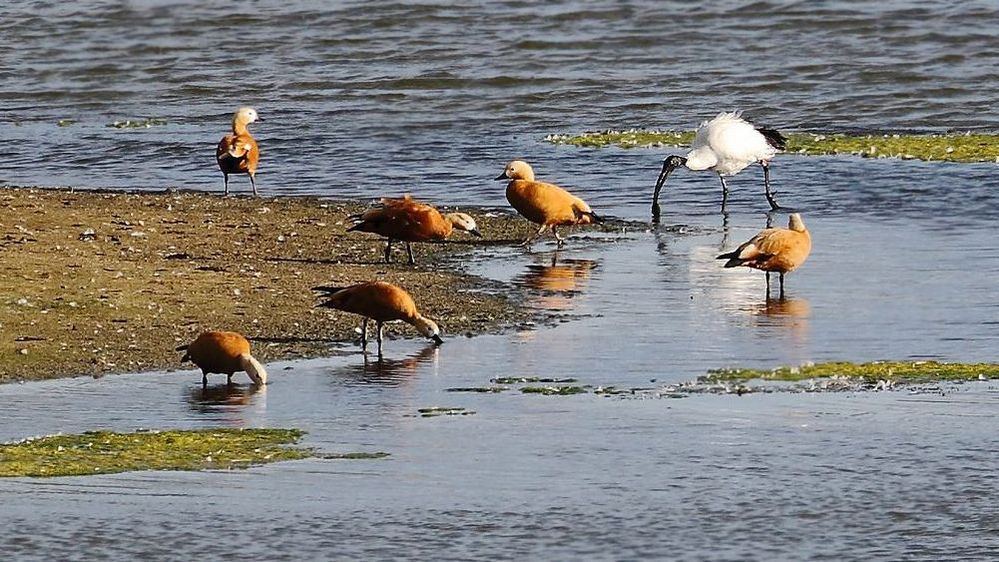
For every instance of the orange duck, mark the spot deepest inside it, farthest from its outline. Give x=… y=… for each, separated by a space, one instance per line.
x=774 y=249
x=224 y=353
x=543 y=203
x=381 y=302
x=238 y=153
x=409 y=220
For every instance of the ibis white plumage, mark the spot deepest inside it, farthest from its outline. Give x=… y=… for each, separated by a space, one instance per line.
x=726 y=144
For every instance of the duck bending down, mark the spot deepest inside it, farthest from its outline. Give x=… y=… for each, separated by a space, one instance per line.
x=726 y=145
x=382 y=302
x=238 y=153
x=410 y=221
x=224 y=353
x=774 y=249
x=543 y=203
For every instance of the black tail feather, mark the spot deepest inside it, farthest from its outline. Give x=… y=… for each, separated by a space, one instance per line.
x=328 y=290
x=181 y=347
x=774 y=138
x=732 y=257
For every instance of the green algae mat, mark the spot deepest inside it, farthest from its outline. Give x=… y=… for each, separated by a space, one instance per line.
x=105 y=452
x=949 y=147
x=896 y=371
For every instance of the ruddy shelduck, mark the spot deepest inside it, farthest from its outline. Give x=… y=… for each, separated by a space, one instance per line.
x=382 y=302
x=726 y=145
x=543 y=203
x=238 y=153
x=225 y=353
x=774 y=249
x=410 y=221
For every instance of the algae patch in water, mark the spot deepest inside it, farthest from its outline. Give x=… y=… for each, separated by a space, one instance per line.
x=479 y=389
x=443 y=411
x=105 y=452
x=355 y=456
x=949 y=147
x=137 y=124
x=895 y=371
x=564 y=390
x=522 y=380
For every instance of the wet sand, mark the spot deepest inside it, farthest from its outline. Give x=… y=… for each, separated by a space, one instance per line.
x=111 y=282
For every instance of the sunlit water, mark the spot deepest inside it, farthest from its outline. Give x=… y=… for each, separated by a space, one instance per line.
x=361 y=101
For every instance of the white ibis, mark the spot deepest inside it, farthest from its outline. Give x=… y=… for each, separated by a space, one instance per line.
x=726 y=144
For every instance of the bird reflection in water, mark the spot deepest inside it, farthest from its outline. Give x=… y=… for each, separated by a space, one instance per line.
x=554 y=284
x=390 y=372
x=790 y=314
x=228 y=398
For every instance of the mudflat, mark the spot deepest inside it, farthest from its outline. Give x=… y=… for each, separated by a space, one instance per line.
x=95 y=282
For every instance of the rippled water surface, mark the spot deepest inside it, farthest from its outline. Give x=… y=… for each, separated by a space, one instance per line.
x=366 y=99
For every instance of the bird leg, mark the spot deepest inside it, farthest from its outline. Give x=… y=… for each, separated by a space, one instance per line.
x=766 y=184
x=364 y=334
x=228 y=379
x=558 y=239
x=409 y=251
x=724 y=191
x=204 y=379
x=381 y=336
x=225 y=183
x=526 y=243
x=253 y=184
x=388 y=251
x=782 y=285
x=768 y=285
x=725 y=230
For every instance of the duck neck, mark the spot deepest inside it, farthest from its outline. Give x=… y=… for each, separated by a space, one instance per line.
x=239 y=127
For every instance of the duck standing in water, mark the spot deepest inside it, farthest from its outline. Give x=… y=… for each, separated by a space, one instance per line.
x=774 y=249
x=225 y=353
x=543 y=203
x=382 y=302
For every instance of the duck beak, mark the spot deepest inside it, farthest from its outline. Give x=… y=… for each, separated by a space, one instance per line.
x=437 y=339
x=501 y=176
x=475 y=233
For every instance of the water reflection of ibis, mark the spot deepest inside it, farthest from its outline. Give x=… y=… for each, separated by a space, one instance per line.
x=554 y=284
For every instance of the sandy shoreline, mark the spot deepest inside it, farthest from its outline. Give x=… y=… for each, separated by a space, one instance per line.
x=101 y=282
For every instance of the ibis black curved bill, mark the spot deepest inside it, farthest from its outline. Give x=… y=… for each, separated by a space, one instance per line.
x=669 y=164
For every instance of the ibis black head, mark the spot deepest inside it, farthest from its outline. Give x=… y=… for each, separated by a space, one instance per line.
x=669 y=164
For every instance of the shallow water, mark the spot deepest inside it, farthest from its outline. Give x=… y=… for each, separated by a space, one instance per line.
x=434 y=98
x=802 y=476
